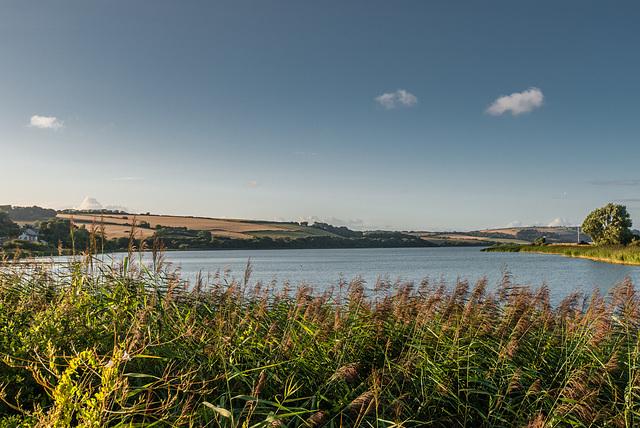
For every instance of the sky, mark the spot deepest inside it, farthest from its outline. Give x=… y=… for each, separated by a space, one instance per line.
x=404 y=115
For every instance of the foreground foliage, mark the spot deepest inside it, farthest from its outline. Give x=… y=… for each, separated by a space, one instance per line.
x=92 y=344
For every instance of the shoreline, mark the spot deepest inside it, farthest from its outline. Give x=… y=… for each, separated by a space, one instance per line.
x=622 y=255
x=595 y=259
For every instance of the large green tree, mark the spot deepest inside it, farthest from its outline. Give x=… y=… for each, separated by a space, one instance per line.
x=608 y=225
x=8 y=229
x=59 y=231
x=56 y=230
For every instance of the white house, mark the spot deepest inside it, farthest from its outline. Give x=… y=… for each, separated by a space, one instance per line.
x=30 y=235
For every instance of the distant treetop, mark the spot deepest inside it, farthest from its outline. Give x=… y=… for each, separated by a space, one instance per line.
x=29 y=214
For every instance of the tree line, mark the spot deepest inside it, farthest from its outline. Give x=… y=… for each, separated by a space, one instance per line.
x=61 y=233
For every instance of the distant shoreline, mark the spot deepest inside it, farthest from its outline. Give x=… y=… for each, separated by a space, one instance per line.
x=616 y=254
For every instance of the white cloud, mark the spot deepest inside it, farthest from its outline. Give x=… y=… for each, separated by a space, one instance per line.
x=559 y=221
x=515 y=223
x=399 y=98
x=517 y=103
x=90 y=204
x=45 y=122
x=116 y=208
x=254 y=183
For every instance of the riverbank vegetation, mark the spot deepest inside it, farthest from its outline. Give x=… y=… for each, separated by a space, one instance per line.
x=608 y=227
x=115 y=229
x=130 y=344
x=61 y=235
x=624 y=254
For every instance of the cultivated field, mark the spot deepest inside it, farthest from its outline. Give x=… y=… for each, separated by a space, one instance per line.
x=118 y=226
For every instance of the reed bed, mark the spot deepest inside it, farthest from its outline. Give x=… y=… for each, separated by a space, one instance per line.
x=623 y=254
x=93 y=345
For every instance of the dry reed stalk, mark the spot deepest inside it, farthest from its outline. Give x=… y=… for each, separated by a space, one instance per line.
x=322 y=318
x=311 y=308
x=404 y=303
x=518 y=308
x=535 y=387
x=455 y=303
x=539 y=422
x=597 y=320
x=382 y=285
x=380 y=314
x=504 y=286
x=348 y=373
x=508 y=351
x=569 y=308
x=338 y=319
x=262 y=380
x=541 y=299
x=361 y=405
x=474 y=305
x=431 y=301
x=356 y=292
x=316 y=420
x=186 y=410
x=514 y=381
x=579 y=396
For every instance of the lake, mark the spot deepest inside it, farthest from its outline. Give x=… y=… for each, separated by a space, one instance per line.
x=322 y=267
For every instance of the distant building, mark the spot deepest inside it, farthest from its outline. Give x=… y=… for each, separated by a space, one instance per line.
x=30 y=234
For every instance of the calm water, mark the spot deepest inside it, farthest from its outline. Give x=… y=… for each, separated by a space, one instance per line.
x=321 y=268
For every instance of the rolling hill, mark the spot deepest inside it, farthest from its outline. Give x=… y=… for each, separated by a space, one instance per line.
x=119 y=225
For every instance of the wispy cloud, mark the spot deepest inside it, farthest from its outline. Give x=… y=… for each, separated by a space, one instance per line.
x=559 y=221
x=517 y=103
x=399 y=98
x=254 y=183
x=117 y=208
x=515 y=223
x=624 y=183
x=46 y=122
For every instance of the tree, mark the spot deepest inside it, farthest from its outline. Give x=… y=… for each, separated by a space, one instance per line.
x=204 y=235
x=540 y=241
x=608 y=225
x=57 y=230
x=7 y=227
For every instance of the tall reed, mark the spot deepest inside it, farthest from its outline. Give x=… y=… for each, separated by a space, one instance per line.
x=94 y=344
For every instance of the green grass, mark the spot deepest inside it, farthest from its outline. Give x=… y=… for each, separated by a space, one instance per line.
x=93 y=345
x=608 y=253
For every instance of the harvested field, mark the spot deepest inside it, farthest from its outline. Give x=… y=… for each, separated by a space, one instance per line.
x=514 y=230
x=463 y=237
x=118 y=226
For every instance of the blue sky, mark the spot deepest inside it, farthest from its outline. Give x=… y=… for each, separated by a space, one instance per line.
x=408 y=115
